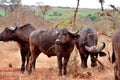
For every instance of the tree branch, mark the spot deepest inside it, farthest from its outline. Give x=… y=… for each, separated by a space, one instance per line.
x=75 y=14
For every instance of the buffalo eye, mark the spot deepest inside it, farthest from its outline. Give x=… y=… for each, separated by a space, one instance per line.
x=7 y=30
x=64 y=34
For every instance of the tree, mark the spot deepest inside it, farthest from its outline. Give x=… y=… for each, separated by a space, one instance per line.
x=75 y=14
x=101 y=2
x=114 y=8
x=11 y=5
x=43 y=8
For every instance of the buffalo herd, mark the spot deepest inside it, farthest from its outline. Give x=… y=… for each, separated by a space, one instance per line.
x=59 y=42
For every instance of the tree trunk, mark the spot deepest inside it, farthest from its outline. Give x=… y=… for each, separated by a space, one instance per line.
x=74 y=18
x=102 y=9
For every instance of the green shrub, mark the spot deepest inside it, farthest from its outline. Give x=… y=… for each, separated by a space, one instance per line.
x=2 y=13
x=92 y=17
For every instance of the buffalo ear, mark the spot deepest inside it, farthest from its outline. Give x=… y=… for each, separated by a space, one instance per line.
x=76 y=36
x=101 y=54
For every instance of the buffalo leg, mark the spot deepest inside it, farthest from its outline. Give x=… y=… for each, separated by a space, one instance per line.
x=28 y=58
x=23 y=55
x=35 y=57
x=84 y=58
x=84 y=61
x=33 y=60
x=93 y=60
x=34 y=54
x=65 y=65
x=116 y=72
x=59 y=58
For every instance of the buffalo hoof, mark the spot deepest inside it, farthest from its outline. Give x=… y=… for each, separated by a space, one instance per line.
x=65 y=73
x=59 y=74
x=94 y=64
x=27 y=68
x=22 y=70
x=84 y=65
x=29 y=72
x=116 y=78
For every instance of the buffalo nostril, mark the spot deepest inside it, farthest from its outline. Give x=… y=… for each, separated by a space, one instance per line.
x=94 y=47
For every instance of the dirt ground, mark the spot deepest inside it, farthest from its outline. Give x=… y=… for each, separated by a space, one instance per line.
x=10 y=62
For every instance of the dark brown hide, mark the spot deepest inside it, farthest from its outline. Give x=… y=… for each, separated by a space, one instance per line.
x=21 y=36
x=56 y=42
x=116 y=54
x=87 y=45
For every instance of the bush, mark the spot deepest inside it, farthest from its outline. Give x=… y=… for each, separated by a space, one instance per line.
x=55 y=14
x=92 y=17
x=2 y=13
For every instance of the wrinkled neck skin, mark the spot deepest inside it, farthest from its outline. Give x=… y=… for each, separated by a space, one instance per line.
x=65 y=46
x=18 y=39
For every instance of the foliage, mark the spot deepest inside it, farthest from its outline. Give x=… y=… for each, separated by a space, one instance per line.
x=43 y=8
x=64 y=24
x=11 y=4
x=59 y=13
x=92 y=17
x=55 y=14
x=2 y=13
x=65 y=13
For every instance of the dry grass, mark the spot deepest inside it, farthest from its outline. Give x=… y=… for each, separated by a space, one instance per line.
x=24 y=15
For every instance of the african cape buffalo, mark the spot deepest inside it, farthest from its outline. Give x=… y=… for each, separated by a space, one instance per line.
x=116 y=54
x=21 y=36
x=55 y=42
x=87 y=45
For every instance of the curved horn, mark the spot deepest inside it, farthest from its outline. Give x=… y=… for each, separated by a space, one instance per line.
x=15 y=28
x=91 y=34
x=73 y=32
x=16 y=24
x=77 y=32
x=101 y=47
x=95 y=49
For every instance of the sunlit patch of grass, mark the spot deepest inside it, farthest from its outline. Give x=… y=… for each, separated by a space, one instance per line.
x=2 y=13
